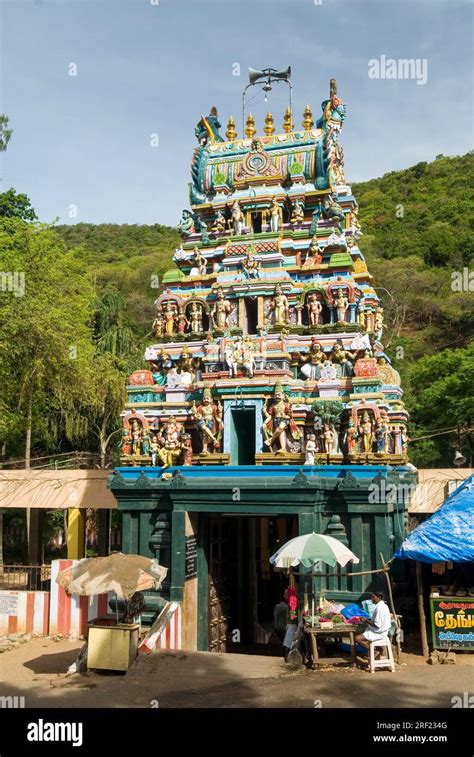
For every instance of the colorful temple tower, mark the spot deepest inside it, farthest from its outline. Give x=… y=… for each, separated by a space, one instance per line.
x=269 y=407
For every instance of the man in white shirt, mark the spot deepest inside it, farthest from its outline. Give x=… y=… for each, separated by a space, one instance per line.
x=379 y=625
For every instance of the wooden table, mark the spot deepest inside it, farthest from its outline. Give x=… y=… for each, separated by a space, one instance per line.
x=315 y=633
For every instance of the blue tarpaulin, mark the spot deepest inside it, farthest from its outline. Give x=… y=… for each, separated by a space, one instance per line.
x=448 y=534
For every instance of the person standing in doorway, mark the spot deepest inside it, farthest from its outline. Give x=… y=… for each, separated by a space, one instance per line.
x=280 y=617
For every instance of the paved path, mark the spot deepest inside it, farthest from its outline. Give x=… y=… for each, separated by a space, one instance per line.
x=37 y=668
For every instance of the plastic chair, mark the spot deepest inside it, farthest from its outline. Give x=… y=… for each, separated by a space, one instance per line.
x=383 y=662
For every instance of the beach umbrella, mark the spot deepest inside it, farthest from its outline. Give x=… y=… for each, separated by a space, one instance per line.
x=120 y=573
x=308 y=549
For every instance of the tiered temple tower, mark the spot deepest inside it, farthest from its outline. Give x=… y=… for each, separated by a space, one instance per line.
x=267 y=363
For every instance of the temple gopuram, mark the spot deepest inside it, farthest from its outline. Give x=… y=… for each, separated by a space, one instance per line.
x=268 y=407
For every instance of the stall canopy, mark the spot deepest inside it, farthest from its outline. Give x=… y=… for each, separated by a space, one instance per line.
x=448 y=534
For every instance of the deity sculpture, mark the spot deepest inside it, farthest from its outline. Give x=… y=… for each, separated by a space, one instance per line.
x=250 y=266
x=169 y=443
x=316 y=215
x=219 y=224
x=310 y=449
x=199 y=262
x=314 y=308
x=207 y=129
x=297 y=215
x=208 y=416
x=136 y=434
x=313 y=362
x=334 y=212
x=380 y=437
x=169 y=317
x=314 y=256
x=196 y=315
x=366 y=433
x=157 y=326
x=182 y=322
x=280 y=307
x=341 y=356
x=186 y=225
x=351 y=438
x=161 y=368
x=221 y=311
x=378 y=323
x=240 y=353
x=278 y=421
x=186 y=370
x=404 y=439
x=187 y=448
x=154 y=449
x=237 y=219
x=276 y=215
x=341 y=302
x=328 y=438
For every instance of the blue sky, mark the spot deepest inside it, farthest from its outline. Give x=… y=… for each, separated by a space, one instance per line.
x=145 y=68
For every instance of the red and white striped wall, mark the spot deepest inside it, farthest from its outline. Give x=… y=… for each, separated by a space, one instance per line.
x=28 y=613
x=165 y=633
x=70 y=613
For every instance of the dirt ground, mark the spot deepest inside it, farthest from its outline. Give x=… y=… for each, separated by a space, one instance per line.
x=37 y=670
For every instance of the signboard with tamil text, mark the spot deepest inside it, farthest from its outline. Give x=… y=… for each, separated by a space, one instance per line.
x=452 y=622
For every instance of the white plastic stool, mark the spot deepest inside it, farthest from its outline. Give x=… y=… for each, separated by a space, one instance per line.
x=383 y=662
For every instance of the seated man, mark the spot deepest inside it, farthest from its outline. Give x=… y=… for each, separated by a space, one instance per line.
x=379 y=625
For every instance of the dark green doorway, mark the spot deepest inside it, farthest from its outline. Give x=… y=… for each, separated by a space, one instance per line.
x=242 y=441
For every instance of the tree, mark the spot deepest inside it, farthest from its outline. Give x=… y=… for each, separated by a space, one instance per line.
x=441 y=397
x=5 y=132
x=13 y=205
x=45 y=337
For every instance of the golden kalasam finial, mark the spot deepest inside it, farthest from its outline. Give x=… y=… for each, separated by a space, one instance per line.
x=269 y=127
x=231 y=132
x=287 y=121
x=250 y=129
x=307 y=122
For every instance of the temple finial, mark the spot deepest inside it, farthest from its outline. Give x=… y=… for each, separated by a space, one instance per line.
x=250 y=129
x=269 y=127
x=287 y=121
x=307 y=122
x=231 y=132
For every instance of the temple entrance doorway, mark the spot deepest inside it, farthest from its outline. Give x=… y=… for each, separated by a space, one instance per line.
x=250 y=315
x=243 y=587
x=242 y=438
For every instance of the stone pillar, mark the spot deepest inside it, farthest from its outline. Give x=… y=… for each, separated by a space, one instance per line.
x=76 y=533
x=34 y=528
x=178 y=551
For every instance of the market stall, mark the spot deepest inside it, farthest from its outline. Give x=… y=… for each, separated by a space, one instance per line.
x=446 y=541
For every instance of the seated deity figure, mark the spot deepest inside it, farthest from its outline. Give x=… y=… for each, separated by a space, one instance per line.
x=314 y=308
x=298 y=213
x=314 y=256
x=221 y=311
x=279 y=422
x=280 y=307
x=250 y=266
x=208 y=416
x=313 y=362
x=341 y=356
x=219 y=224
x=169 y=443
